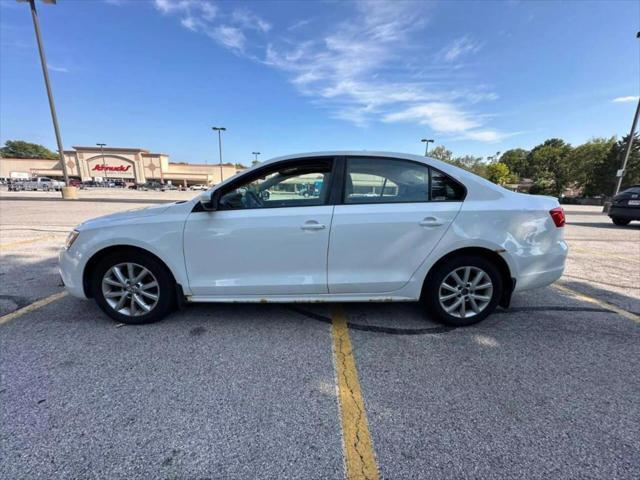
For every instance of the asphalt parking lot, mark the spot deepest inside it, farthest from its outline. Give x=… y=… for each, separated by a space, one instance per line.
x=546 y=389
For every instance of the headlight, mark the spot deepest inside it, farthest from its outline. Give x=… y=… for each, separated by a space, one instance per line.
x=73 y=234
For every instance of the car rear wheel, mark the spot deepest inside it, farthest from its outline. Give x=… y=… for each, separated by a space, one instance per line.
x=133 y=288
x=463 y=291
x=620 y=221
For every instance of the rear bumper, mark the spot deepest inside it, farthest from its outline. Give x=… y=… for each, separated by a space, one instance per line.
x=628 y=213
x=539 y=279
x=543 y=269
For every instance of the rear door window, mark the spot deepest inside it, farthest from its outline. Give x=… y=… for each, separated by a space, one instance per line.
x=385 y=180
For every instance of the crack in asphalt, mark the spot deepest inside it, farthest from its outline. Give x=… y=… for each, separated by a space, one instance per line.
x=440 y=329
x=354 y=420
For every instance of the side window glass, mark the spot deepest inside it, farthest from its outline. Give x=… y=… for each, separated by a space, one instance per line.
x=286 y=186
x=385 y=180
x=444 y=188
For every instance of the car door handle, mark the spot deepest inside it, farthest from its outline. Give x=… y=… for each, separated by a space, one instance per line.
x=431 y=222
x=312 y=225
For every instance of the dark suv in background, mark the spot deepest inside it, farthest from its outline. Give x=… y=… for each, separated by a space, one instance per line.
x=625 y=206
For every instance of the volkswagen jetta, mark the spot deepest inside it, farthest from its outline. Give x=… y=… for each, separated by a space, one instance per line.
x=331 y=227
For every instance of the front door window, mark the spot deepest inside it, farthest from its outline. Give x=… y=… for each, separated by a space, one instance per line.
x=300 y=185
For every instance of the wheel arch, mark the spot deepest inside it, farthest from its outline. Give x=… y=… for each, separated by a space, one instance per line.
x=100 y=254
x=508 y=279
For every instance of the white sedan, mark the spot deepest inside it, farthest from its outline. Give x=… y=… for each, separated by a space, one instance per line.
x=329 y=227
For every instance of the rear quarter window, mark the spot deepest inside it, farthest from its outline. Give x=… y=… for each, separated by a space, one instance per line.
x=444 y=188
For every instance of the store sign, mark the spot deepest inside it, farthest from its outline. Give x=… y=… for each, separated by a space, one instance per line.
x=111 y=168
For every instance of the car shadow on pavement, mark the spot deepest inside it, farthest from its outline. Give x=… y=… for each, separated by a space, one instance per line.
x=626 y=302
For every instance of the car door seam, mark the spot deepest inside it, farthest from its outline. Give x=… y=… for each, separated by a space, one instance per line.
x=326 y=265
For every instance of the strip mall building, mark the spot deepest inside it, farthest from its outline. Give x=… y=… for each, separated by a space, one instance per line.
x=129 y=164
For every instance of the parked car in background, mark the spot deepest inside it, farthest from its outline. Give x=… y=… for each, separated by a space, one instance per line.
x=42 y=183
x=401 y=228
x=15 y=185
x=197 y=187
x=152 y=185
x=625 y=206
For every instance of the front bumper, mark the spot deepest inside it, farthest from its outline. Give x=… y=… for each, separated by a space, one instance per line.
x=628 y=213
x=71 y=272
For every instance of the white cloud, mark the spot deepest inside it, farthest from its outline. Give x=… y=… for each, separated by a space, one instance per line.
x=441 y=117
x=459 y=47
x=247 y=19
x=191 y=9
x=487 y=135
x=625 y=99
x=448 y=119
x=365 y=68
x=190 y=23
x=228 y=36
x=55 y=68
x=299 y=24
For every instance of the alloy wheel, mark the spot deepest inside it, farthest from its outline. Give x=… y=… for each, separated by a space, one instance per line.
x=465 y=292
x=130 y=289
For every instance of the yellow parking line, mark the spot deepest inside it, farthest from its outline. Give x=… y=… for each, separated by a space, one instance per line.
x=580 y=296
x=359 y=457
x=24 y=242
x=33 y=306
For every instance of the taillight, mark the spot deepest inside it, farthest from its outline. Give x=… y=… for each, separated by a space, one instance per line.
x=557 y=214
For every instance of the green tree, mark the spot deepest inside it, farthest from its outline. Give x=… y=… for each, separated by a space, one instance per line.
x=549 y=167
x=21 y=149
x=472 y=164
x=441 y=153
x=516 y=161
x=603 y=178
x=584 y=159
x=498 y=172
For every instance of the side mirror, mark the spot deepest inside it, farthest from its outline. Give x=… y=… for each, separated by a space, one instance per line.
x=209 y=200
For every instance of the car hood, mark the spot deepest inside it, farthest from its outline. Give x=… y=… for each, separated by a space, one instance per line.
x=123 y=217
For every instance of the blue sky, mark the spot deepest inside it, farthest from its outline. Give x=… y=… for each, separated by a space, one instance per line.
x=286 y=77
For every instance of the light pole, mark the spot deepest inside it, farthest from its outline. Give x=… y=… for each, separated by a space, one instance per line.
x=45 y=72
x=627 y=150
x=255 y=160
x=104 y=165
x=219 y=130
x=426 y=145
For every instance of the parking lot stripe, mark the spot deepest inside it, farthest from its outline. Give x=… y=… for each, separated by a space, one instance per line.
x=608 y=306
x=24 y=242
x=32 y=306
x=359 y=456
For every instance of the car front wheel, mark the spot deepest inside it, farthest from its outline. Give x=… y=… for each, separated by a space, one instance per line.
x=463 y=291
x=133 y=288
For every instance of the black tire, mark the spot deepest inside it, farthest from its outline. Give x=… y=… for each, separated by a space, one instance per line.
x=166 y=286
x=430 y=292
x=620 y=221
